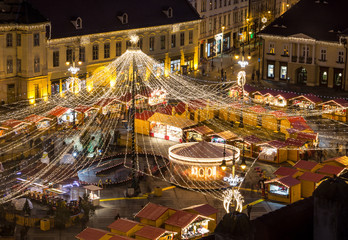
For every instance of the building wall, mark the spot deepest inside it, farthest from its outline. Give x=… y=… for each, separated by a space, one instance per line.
x=323 y=62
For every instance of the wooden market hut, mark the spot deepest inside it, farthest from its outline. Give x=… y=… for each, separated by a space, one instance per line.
x=83 y=112
x=200 y=111
x=142 y=125
x=311 y=138
x=272 y=121
x=231 y=113
x=12 y=127
x=181 y=110
x=125 y=227
x=284 y=189
x=112 y=105
x=330 y=170
x=307 y=101
x=225 y=136
x=39 y=122
x=154 y=233
x=306 y=166
x=263 y=96
x=154 y=215
x=309 y=182
x=253 y=115
x=60 y=115
x=251 y=146
x=335 y=109
x=337 y=161
x=296 y=122
x=286 y=171
x=198 y=133
x=207 y=211
x=236 y=91
x=294 y=148
x=274 y=151
x=282 y=99
x=186 y=224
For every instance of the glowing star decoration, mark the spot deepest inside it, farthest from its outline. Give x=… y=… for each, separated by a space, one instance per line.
x=243 y=63
x=158 y=96
x=134 y=39
x=233 y=196
x=233 y=181
x=241 y=78
x=264 y=20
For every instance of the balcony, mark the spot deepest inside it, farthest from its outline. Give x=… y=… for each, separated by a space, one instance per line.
x=294 y=59
x=301 y=59
x=309 y=60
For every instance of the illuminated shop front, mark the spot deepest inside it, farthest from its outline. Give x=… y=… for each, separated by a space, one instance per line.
x=40 y=122
x=198 y=134
x=274 y=151
x=63 y=115
x=305 y=101
x=195 y=229
x=284 y=189
x=197 y=165
x=158 y=96
x=335 y=109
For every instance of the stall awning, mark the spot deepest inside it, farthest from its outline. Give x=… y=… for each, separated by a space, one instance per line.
x=58 y=111
x=36 y=118
x=83 y=109
x=252 y=139
x=227 y=135
x=92 y=188
x=172 y=120
x=287 y=181
x=13 y=123
x=204 y=130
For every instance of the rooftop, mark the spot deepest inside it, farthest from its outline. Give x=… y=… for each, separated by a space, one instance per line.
x=91 y=234
x=328 y=169
x=123 y=225
x=312 y=177
x=152 y=211
x=307 y=165
x=150 y=232
x=285 y=171
x=181 y=219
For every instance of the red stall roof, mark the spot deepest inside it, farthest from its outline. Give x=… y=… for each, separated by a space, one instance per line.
x=328 y=169
x=118 y=237
x=58 y=111
x=252 y=139
x=307 y=165
x=165 y=110
x=204 y=130
x=309 y=97
x=150 y=232
x=144 y=115
x=343 y=160
x=83 y=109
x=295 y=142
x=340 y=102
x=13 y=123
x=276 y=144
x=123 y=225
x=105 y=102
x=293 y=119
x=181 y=219
x=286 y=95
x=152 y=211
x=285 y=171
x=287 y=181
x=279 y=114
x=35 y=118
x=197 y=104
x=180 y=107
x=307 y=135
x=311 y=177
x=300 y=126
x=91 y=234
x=258 y=109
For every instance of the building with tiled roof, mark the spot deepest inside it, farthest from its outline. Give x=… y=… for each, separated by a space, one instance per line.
x=309 y=182
x=306 y=166
x=125 y=227
x=306 y=45
x=285 y=171
x=154 y=215
x=153 y=233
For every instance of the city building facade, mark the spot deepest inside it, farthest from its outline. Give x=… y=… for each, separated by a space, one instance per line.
x=307 y=50
x=41 y=39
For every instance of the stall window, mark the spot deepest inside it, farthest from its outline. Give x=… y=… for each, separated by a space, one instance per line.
x=270 y=70
x=279 y=190
x=283 y=71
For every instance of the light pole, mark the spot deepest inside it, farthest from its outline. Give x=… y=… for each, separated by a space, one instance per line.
x=222 y=44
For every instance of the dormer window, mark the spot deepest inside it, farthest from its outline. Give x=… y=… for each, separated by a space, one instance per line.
x=123 y=18
x=77 y=23
x=168 y=12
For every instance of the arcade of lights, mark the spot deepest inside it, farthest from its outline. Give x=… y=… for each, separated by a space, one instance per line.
x=160 y=120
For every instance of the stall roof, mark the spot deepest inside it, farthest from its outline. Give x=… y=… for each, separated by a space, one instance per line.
x=58 y=111
x=286 y=95
x=287 y=181
x=279 y=114
x=265 y=92
x=150 y=232
x=258 y=109
x=92 y=187
x=172 y=120
x=292 y=130
x=227 y=135
x=293 y=119
x=118 y=237
x=197 y=104
x=13 y=123
x=300 y=126
x=203 y=150
x=311 y=177
x=307 y=165
x=328 y=169
x=103 y=102
x=92 y=234
x=204 y=130
x=252 y=139
x=181 y=219
x=295 y=142
x=145 y=115
x=276 y=144
x=165 y=110
x=123 y=225
x=83 y=109
x=203 y=209
x=341 y=160
x=340 y=102
x=35 y=118
x=307 y=135
x=152 y=211
x=235 y=105
x=285 y=171
x=249 y=88
x=309 y=97
x=180 y=107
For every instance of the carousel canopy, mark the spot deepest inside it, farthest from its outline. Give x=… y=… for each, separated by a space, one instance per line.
x=203 y=150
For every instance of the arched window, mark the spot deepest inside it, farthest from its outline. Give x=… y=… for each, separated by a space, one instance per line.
x=170 y=12
x=125 y=18
x=78 y=23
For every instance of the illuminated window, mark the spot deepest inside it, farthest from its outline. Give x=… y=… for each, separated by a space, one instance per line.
x=9 y=65
x=37 y=64
x=286 y=50
x=283 y=72
x=271 y=48
x=270 y=70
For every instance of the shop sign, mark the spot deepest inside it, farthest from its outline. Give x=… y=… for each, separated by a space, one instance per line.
x=203 y=172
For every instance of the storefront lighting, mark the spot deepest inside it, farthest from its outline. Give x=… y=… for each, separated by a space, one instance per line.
x=249 y=57
x=243 y=164
x=236 y=56
x=223 y=165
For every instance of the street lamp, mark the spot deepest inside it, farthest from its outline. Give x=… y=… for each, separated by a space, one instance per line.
x=222 y=43
x=73 y=82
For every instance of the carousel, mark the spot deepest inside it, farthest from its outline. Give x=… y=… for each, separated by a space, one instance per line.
x=197 y=165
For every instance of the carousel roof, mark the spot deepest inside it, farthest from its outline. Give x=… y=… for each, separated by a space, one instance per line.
x=203 y=150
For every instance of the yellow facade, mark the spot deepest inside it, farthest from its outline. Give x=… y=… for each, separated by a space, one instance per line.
x=294 y=195
x=270 y=122
x=160 y=221
x=142 y=126
x=307 y=188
